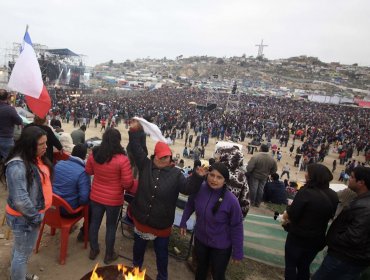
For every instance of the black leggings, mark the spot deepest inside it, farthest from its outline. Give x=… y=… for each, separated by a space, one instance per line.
x=298 y=259
x=206 y=256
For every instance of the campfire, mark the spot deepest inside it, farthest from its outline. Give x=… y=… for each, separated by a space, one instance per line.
x=116 y=272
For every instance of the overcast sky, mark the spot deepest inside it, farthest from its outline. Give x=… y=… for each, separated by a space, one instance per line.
x=332 y=30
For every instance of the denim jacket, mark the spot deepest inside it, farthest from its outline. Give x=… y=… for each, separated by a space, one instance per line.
x=27 y=200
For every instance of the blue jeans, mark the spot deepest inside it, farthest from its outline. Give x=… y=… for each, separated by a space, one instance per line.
x=256 y=188
x=24 y=241
x=298 y=260
x=97 y=213
x=6 y=144
x=161 y=253
x=333 y=268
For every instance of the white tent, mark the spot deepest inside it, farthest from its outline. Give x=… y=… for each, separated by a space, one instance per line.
x=338 y=187
x=227 y=144
x=27 y=117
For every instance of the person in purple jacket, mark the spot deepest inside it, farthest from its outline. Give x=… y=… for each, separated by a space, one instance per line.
x=219 y=229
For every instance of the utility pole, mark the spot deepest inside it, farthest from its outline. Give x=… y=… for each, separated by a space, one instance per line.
x=260 y=49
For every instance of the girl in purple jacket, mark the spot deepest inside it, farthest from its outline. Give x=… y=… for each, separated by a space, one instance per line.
x=219 y=229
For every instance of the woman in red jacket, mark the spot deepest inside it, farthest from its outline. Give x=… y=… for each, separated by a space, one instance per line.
x=112 y=175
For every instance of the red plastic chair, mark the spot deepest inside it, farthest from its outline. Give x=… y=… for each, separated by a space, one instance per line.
x=55 y=220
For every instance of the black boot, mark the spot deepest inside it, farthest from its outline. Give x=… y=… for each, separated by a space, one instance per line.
x=93 y=254
x=110 y=258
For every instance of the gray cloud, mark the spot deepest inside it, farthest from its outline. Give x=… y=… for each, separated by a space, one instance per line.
x=111 y=29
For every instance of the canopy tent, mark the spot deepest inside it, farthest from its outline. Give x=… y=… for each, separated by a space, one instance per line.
x=338 y=187
x=27 y=117
x=25 y=120
x=65 y=52
x=364 y=104
x=227 y=144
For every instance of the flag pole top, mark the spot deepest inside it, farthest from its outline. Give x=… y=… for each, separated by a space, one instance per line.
x=26 y=28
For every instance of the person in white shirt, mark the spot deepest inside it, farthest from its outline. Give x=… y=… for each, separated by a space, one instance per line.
x=286 y=170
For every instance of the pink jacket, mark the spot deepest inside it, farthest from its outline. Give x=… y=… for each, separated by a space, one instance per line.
x=110 y=180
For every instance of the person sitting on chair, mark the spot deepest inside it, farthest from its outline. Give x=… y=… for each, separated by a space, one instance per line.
x=275 y=191
x=71 y=182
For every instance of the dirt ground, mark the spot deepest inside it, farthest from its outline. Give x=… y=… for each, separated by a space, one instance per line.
x=45 y=263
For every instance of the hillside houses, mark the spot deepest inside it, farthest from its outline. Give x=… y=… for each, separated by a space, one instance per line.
x=293 y=76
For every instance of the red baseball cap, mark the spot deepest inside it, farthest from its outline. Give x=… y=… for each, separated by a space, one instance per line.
x=161 y=150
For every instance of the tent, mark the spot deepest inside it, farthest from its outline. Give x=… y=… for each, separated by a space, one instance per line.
x=63 y=52
x=227 y=144
x=337 y=187
x=27 y=117
x=25 y=120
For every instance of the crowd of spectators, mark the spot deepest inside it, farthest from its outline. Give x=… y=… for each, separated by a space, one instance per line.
x=173 y=110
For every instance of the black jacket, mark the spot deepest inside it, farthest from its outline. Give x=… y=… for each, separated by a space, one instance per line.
x=155 y=200
x=275 y=192
x=348 y=237
x=309 y=214
x=8 y=118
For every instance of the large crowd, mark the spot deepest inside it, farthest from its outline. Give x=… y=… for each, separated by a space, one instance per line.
x=174 y=111
x=220 y=194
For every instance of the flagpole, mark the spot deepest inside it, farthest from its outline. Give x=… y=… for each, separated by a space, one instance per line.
x=26 y=28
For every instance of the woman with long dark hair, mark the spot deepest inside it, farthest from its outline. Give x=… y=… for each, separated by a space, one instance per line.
x=27 y=172
x=52 y=139
x=312 y=208
x=112 y=175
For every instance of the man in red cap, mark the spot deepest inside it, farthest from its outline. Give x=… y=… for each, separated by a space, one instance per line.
x=153 y=208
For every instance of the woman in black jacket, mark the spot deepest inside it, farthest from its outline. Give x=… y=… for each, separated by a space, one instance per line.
x=313 y=206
